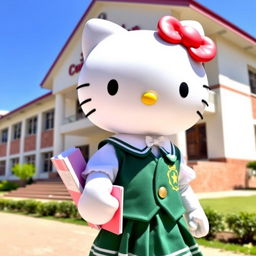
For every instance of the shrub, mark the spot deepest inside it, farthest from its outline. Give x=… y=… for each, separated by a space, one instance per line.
x=20 y=205
x=251 y=165
x=8 y=185
x=243 y=225
x=3 y=203
x=24 y=171
x=47 y=209
x=67 y=210
x=216 y=222
x=62 y=209
x=10 y=205
x=29 y=206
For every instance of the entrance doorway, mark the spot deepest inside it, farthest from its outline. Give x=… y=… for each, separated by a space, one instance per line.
x=197 y=142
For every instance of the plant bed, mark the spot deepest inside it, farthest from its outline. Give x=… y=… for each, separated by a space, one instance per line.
x=247 y=249
x=226 y=236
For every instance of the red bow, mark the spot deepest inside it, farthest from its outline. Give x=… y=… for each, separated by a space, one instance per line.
x=200 y=48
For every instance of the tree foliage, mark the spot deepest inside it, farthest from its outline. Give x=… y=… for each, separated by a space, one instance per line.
x=24 y=171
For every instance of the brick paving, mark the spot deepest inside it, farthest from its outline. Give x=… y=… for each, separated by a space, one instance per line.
x=27 y=236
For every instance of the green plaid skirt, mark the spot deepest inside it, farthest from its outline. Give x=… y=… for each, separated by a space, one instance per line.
x=160 y=237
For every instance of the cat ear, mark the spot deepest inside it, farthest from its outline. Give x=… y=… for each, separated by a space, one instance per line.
x=96 y=30
x=193 y=24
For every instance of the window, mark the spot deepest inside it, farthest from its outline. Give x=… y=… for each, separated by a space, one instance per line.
x=30 y=159
x=252 y=80
x=14 y=161
x=85 y=151
x=49 y=120
x=16 y=131
x=47 y=163
x=4 y=136
x=2 y=168
x=32 y=125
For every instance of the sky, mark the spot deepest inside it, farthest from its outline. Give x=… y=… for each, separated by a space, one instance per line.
x=32 y=33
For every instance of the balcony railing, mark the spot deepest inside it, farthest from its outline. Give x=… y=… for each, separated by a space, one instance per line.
x=73 y=118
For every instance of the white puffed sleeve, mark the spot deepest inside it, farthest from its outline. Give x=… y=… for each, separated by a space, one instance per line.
x=186 y=174
x=104 y=160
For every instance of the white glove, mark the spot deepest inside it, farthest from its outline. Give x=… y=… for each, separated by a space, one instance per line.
x=195 y=216
x=96 y=204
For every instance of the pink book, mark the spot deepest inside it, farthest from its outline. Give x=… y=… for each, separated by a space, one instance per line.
x=70 y=164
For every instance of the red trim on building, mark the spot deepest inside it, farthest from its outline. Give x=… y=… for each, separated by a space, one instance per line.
x=47 y=138
x=15 y=147
x=30 y=143
x=3 y=149
x=26 y=105
x=67 y=42
x=217 y=86
x=190 y=3
x=253 y=99
x=209 y=13
x=196 y=6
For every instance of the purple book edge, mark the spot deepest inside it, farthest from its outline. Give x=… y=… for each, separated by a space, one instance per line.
x=77 y=162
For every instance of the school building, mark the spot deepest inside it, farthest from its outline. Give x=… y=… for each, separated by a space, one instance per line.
x=218 y=147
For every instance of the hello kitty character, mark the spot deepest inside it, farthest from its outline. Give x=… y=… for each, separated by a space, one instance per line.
x=143 y=86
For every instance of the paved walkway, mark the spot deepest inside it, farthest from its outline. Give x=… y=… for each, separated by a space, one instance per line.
x=229 y=193
x=27 y=236
x=220 y=194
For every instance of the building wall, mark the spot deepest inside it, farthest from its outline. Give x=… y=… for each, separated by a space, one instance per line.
x=26 y=145
x=233 y=63
x=230 y=127
x=236 y=104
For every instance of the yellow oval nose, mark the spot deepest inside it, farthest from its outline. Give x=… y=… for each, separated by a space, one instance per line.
x=149 y=98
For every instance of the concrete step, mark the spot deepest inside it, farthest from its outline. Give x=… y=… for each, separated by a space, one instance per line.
x=25 y=192
x=40 y=196
x=50 y=189
x=43 y=189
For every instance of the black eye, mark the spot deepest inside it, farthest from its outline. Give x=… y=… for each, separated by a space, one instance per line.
x=184 y=90
x=112 y=87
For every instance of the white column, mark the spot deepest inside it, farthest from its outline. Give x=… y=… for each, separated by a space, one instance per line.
x=180 y=141
x=22 y=141
x=8 y=149
x=38 y=144
x=58 y=140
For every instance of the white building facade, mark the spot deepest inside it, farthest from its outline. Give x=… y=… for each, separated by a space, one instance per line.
x=218 y=147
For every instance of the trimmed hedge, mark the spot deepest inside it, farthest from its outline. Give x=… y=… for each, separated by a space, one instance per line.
x=8 y=185
x=216 y=222
x=243 y=225
x=56 y=209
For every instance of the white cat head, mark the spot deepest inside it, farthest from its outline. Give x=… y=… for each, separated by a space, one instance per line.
x=137 y=83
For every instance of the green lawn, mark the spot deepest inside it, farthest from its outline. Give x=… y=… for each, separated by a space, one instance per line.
x=246 y=249
x=228 y=205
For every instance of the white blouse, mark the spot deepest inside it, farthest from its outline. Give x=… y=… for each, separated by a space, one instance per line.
x=105 y=159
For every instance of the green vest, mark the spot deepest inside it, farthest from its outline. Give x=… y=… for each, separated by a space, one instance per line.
x=150 y=183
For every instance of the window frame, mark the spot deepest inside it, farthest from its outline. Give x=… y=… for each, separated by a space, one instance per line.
x=2 y=135
x=17 y=131
x=2 y=171
x=252 y=79
x=49 y=120
x=32 y=125
x=30 y=159
x=47 y=163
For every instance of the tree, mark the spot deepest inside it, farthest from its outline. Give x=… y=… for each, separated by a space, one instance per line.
x=24 y=171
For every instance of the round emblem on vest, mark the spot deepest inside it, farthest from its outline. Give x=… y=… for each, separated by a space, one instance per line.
x=162 y=192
